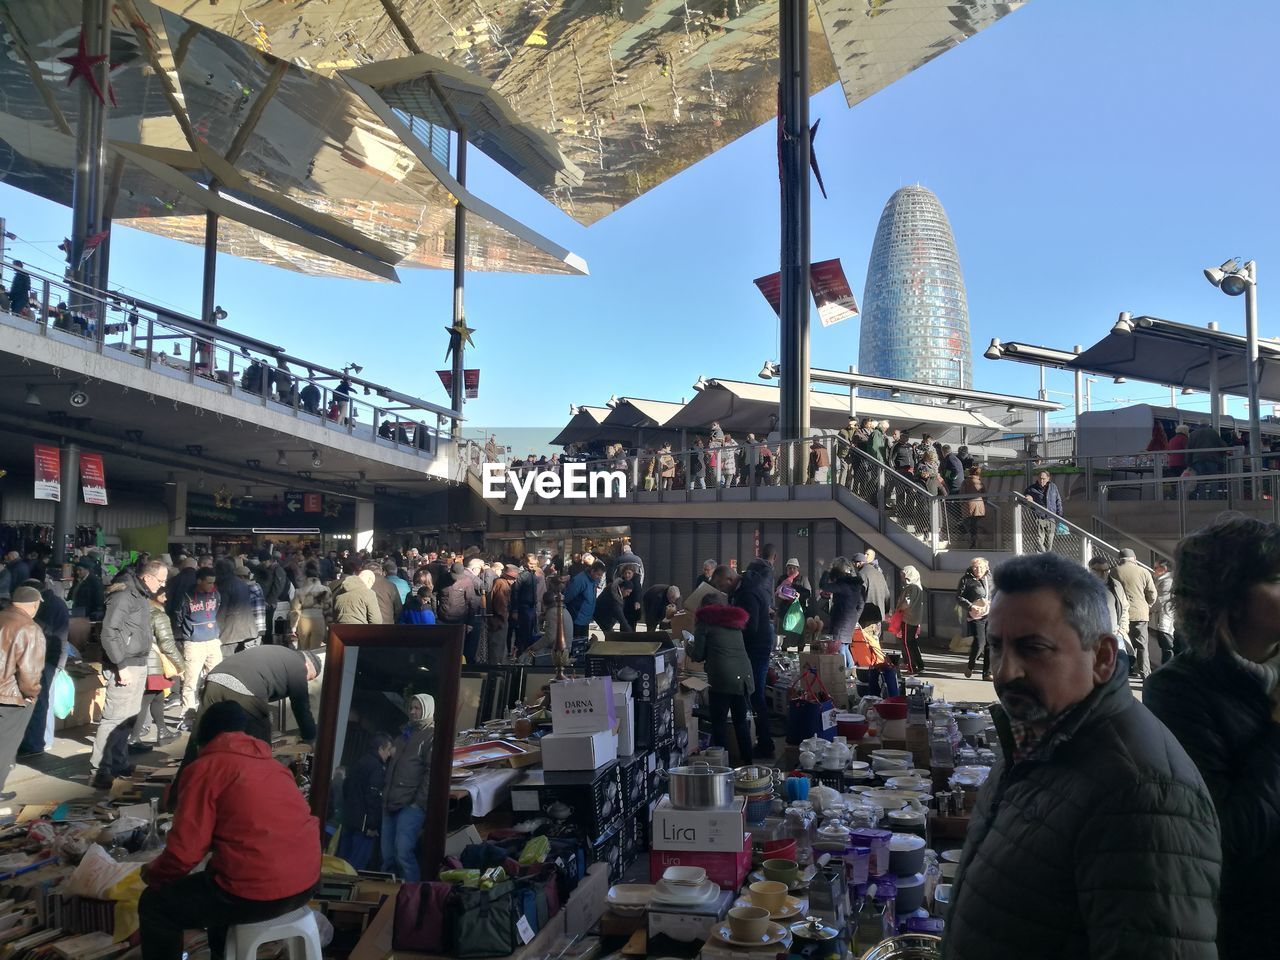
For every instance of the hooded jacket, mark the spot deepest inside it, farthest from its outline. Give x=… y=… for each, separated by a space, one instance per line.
x=353 y=602
x=580 y=598
x=1139 y=588
x=463 y=600
x=912 y=602
x=1222 y=718
x=241 y=805
x=198 y=614
x=21 y=657
x=409 y=771
x=88 y=596
x=848 y=597
x=1102 y=844
x=126 y=627
x=717 y=642
x=755 y=595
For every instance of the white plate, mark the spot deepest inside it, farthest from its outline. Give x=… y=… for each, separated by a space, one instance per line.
x=776 y=934
x=629 y=896
x=678 y=896
x=951 y=856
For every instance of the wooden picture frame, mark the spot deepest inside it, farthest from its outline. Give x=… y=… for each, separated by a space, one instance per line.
x=448 y=640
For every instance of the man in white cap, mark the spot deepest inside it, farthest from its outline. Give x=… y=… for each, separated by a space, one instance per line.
x=22 y=654
x=1140 y=589
x=405 y=792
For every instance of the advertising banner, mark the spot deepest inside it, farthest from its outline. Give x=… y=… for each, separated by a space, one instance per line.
x=93 y=479
x=828 y=286
x=48 y=472
x=470 y=382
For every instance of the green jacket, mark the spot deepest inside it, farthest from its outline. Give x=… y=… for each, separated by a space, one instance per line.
x=1103 y=844
x=717 y=642
x=353 y=602
x=878 y=445
x=162 y=638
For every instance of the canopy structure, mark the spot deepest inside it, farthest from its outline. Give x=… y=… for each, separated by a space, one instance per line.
x=645 y=423
x=1180 y=355
x=741 y=408
x=583 y=427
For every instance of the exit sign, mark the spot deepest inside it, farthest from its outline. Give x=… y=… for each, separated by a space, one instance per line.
x=802 y=531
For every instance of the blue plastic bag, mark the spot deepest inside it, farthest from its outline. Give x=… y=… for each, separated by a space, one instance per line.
x=62 y=696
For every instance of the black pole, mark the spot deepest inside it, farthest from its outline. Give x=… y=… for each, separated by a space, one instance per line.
x=209 y=289
x=457 y=394
x=793 y=111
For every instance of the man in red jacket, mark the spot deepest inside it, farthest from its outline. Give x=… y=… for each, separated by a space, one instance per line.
x=241 y=806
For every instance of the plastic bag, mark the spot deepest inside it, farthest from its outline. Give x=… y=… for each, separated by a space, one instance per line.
x=62 y=696
x=535 y=851
x=126 y=892
x=793 y=619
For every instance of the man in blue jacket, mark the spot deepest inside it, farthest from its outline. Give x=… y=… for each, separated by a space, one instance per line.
x=580 y=601
x=1044 y=494
x=755 y=595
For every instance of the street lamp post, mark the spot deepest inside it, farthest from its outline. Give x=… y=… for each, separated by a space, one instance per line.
x=1088 y=393
x=1234 y=278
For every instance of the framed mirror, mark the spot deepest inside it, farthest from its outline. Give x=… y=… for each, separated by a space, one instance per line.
x=371 y=676
x=472 y=687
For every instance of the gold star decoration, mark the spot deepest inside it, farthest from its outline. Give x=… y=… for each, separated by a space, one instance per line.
x=222 y=498
x=332 y=507
x=458 y=333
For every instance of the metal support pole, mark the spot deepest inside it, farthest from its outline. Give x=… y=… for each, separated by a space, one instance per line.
x=1043 y=416
x=457 y=394
x=64 y=517
x=793 y=118
x=853 y=392
x=1251 y=345
x=86 y=184
x=209 y=288
x=1215 y=389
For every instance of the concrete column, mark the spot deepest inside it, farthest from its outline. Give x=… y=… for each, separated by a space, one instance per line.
x=64 y=517
x=175 y=503
x=363 y=532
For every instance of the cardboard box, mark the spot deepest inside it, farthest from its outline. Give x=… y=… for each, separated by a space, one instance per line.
x=587 y=902
x=831 y=671
x=688 y=924
x=655 y=722
x=708 y=830
x=652 y=660
x=594 y=796
x=728 y=870
x=624 y=706
x=683 y=716
x=578 y=751
x=635 y=780
x=608 y=850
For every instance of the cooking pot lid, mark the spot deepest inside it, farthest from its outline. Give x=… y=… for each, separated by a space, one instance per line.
x=812 y=928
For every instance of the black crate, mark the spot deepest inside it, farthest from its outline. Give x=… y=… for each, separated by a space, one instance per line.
x=651 y=657
x=595 y=797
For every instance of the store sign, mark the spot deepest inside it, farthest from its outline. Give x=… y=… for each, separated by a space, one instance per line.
x=93 y=479
x=48 y=472
x=827 y=284
x=312 y=503
x=573 y=482
x=293 y=501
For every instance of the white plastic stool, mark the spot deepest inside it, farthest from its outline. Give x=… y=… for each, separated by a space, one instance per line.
x=244 y=939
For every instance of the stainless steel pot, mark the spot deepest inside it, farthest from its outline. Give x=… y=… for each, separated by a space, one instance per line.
x=700 y=786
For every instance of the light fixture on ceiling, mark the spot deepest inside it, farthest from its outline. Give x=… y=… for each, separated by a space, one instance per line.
x=281 y=459
x=133 y=436
x=177 y=350
x=1187 y=391
x=612 y=402
x=768 y=371
x=700 y=384
x=305 y=474
x=315 y=459
x=32 y=399
x=1010 y=409
x=895 y=393
x=194 y=449
x=218 y=315
x=995 y=351
x=1120 y=380
x=573 y=411
x=1232 y=277
x=953 y=400
x=253 y=464
x=1124 y=323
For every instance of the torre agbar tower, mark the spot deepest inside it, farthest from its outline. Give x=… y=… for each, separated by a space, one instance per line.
x=915 y=320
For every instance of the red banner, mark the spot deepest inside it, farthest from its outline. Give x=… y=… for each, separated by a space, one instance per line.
x=48 y=472
x=831 y=292
x=827 y=284
x=93 y=479
x=470 y=382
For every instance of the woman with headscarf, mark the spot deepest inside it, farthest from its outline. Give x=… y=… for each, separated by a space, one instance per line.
x=911 y=606
x=404 y=808
x=1221 y=698
x=974 y=597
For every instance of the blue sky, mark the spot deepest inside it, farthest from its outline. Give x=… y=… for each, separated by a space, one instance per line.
x=1093 y=157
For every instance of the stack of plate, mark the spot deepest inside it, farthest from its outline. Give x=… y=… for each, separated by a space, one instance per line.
x=684 y=887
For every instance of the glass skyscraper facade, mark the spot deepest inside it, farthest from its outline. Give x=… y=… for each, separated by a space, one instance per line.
x=915 y=319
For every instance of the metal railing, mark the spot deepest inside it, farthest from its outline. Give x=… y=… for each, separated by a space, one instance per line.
x=222 y=360
x=1146 y=552
x=1174 y=507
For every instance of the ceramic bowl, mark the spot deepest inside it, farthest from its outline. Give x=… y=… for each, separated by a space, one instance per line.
x=685 y=876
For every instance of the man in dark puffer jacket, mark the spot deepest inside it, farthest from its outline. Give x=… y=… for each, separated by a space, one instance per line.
x=1094 y=836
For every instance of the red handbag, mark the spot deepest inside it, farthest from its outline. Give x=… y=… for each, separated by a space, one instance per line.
x=419 y=925
x=896 y=625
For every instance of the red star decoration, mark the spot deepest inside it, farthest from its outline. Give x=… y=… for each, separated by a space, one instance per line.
x=82 y=67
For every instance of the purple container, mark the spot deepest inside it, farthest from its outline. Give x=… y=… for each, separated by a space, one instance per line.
x=857 y=863
x=878 y=842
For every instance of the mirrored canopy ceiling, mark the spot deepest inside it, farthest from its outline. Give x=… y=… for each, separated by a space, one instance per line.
x=631 y=91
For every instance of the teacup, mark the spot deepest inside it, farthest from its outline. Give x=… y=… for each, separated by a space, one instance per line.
x=769 y=894
x=748 y=923
x=783 y=871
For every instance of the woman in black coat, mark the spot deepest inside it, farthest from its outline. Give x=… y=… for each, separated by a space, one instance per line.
x=1221 y=698
x=974 y=597
x=848 y=597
